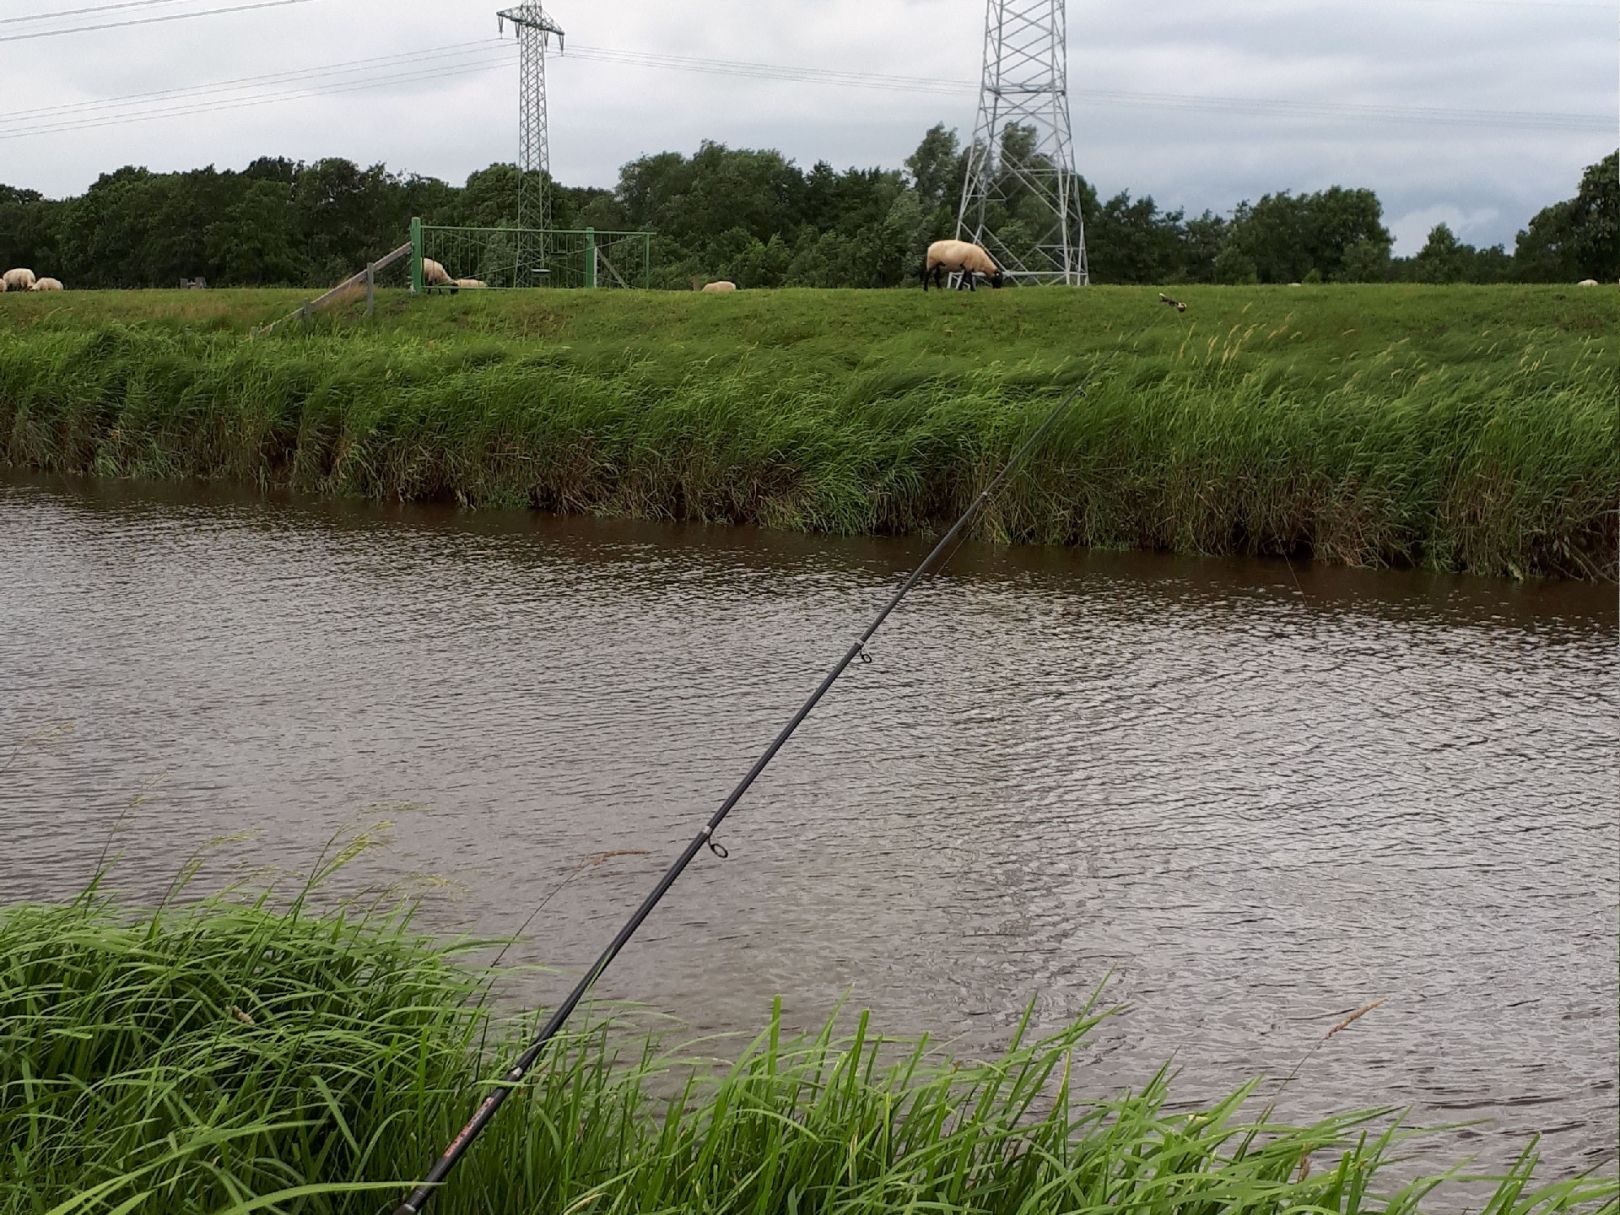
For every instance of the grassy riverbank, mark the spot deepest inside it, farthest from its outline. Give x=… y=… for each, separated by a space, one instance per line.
x=232 y=1057
x=1454 y=428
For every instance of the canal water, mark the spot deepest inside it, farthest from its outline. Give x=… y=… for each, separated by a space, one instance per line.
x=1244 y=798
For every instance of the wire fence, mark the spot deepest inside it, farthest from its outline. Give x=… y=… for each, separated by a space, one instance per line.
x=500 y=258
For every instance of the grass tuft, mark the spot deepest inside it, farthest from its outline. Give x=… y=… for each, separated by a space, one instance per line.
x=231 y=1056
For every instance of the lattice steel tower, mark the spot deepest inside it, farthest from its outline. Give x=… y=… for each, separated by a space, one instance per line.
x=534 y=30
x=1021 y=197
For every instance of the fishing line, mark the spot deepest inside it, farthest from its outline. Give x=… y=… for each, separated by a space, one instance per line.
x=705 y=837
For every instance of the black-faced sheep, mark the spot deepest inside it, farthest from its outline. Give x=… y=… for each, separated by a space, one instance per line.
x=434 y=275
x=959 y=257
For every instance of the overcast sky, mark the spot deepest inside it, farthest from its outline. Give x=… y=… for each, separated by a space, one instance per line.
x=1520 y=60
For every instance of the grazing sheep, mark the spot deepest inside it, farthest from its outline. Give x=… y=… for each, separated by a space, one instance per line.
x=434 y=275
x=719 y=287
x=1587 y=282
x=2 y=286
x=959 y=257
x=18 y=280
x=46 y=284
x=1176 y=304
x=471 y=284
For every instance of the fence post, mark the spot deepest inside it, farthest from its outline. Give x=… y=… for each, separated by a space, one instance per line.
x=646 y=262
x=590 y=257
x=371 y=289
x=416 y=255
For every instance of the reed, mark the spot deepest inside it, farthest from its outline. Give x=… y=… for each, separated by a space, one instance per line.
x=1458 y=428
x=237 y=1056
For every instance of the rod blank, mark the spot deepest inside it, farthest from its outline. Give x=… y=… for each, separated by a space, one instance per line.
x=520 y=1068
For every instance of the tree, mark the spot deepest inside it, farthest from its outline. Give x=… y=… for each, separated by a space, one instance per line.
x=754 y=215
x=1234 y=266
x=1580 y=237
x=1443 y=258
x=1366 y=261
x=1131 y=242
x=1202 y=239
x=1288 y=236
x=937 y=168
x=256 y=240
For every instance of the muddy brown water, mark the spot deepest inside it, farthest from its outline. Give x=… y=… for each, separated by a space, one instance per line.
x=1249 y=797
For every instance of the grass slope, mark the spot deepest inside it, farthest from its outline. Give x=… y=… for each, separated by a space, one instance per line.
x=230 y=1057
x=1455 y=428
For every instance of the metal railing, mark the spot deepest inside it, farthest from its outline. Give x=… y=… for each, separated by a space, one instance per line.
x=503 y=258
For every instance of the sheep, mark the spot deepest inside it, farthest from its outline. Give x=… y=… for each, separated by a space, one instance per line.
x=19 y=279
x=2 y=286
x=1587 y=282
x=960 y=257
x=719 y=287
x=433 y=274
x=470 y=284
x=46 y=284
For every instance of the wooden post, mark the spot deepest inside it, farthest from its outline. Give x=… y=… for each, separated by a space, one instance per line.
x=371 y=289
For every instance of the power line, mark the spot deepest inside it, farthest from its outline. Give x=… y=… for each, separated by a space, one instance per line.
x=481 y=55
x=113 y=25
x=237 y=84
x=79 y=12
x=214 y=107
x=1257 y=105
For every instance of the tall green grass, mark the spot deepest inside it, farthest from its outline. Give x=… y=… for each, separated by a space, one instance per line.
x=1464 y=428
x=231 y=1056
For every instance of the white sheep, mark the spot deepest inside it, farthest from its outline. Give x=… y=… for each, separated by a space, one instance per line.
x=1587 y=282
x=959 y=257
x=719 y=287
x=18 y=280
x=471 y=284
x=46 y=284
x=433 y=274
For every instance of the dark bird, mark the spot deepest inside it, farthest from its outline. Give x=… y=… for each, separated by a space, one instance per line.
x=1176 y=304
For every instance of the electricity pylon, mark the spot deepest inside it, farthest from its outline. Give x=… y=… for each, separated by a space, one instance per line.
x=1021 y=196
x=534 y=30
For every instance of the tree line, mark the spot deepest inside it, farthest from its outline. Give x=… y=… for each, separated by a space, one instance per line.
x=755 y=217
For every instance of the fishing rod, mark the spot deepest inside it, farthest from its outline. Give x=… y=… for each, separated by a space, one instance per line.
x=857 y=649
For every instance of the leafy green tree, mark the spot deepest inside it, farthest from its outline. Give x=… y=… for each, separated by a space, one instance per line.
x=1234 y=266
x=1365 y=261
x=1580 y=237
x=1443 y=258
x=1130 y=241
x=937 y=168
x=1202 y=239
x=255 y=241
x=752 y=215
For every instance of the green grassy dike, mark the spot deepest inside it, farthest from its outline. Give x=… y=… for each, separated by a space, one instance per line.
x=1466 y=428
x=231 y=1056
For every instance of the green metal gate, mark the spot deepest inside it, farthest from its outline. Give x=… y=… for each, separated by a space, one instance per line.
x=530 y=257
